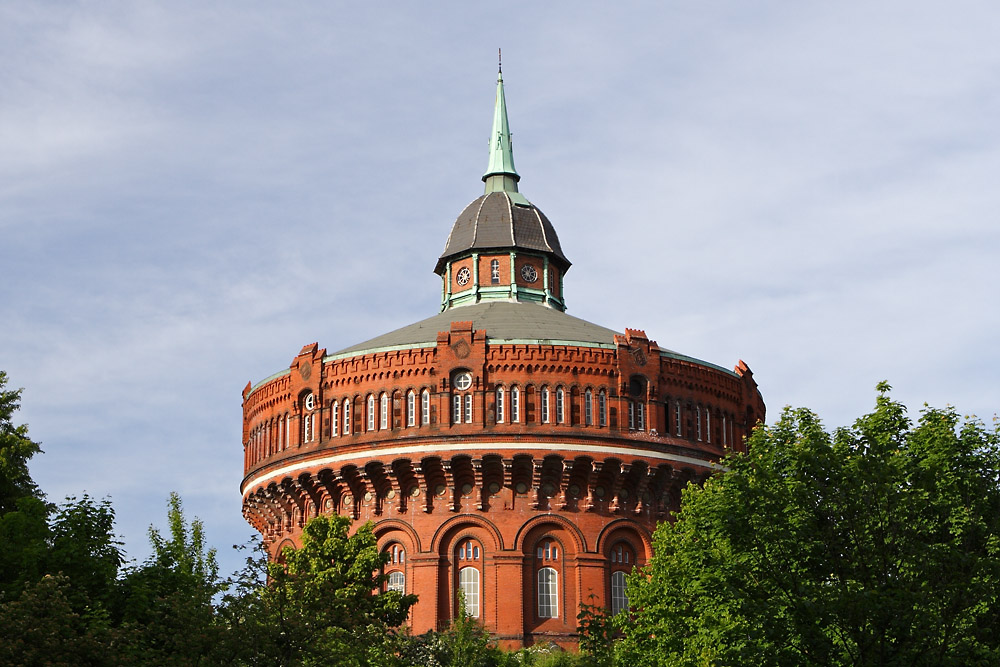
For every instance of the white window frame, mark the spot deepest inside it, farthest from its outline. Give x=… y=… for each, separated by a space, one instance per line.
x=640 y=414
x=495 y=271
x=468 y=583
x=677 y=418
x=347 y=416
x=619 y=601
x=588 y=408
x=560 y=405
x=425 y=407
x=548 y=592
x=334 y=418
x=545 y=405
x=456 y=409
x=500 y=404
x=396 y=581
x=602 y=408
x=698 y=421
x=708 y=425
x=411 y=408
x=468 y=408
x=515 y=404
x=383 y=411
x=370 y=404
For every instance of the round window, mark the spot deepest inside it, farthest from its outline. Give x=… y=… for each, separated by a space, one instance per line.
x=463 y=381
x=310 y=402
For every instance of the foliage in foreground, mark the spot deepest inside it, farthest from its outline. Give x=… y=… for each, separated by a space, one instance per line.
x=875 y=545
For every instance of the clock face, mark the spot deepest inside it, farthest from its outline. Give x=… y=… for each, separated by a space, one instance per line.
x=463 y=276
x=528 y=273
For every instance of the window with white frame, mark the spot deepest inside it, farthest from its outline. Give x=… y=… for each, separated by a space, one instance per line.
x=545 y=405
x=468 y=408
x=602 y=408
x=708 y=424
x=396 y=582
x=725 y=434
x=411 y=408
x=347 y=416
x=370 y=403
x=383 y=411
x=515 y=405
x=640 y=416
x=334 y=418
x=548 y=593
x=698 y=421
x=397 y=560
x=677 y=416
x=495 y=271
x=461 y=397
x=588 y=408
x=500 y=404
x=469 y=557
x=619 y=601
x=560 y=405
x=425 y=407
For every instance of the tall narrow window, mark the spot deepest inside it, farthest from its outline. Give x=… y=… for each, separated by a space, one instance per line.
x=588 y=408
x=288 y=428
x=677 y=417
x=560 y=405
x=619 y=602
x=725 y=435
x=545 y=405
x=631 y=415
x=280 y=424
x=515 y=405
x=602 y=408
x=371 y=412
x=411 y=408
x=347 y=416
x=334 y=418
x=383 y=411
x=468 y=408
x=461 y=397
x=469 y=559
x=548 y=593
x=456 y=409
x=640 y=416
x=698 y=421
x=708 y=424
x=425 y=407
x=495 y=271
x=500 y=405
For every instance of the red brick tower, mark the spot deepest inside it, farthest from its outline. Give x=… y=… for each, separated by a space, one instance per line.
x=501 y=447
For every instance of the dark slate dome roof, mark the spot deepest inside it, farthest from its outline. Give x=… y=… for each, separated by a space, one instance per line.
x=500 y=220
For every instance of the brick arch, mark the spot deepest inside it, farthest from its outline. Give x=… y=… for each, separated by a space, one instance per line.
x=384 y=529
x=580 y=541
x=608 y=533
x=456 y=524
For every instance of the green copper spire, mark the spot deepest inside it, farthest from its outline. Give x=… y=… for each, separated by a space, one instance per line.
x=500 y=174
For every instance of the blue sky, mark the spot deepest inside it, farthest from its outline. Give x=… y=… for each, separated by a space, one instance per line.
x=190 y=192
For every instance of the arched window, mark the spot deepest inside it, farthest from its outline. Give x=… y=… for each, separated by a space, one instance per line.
x=383 y=411
x=425 y=407
x=619 y=601
x=548 y=593
x=515 y=405
x=309 y=419
x=334 y=418
x=397 y=582
x=698 y=421
x=677 y=417
x=588 y=408
x=411 y=408
x=347 y=416
x=725 y=435
x=461 y=397
x=500 y=404
x=495 y=271
x=288 y=428
x=708 y=423
x=622 y=561
x=545 y=405
x=469 y=559
x=602 y=408
x=560 y=405
x=371 y=412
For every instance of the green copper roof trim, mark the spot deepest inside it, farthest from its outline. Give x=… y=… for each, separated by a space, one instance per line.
x=700 y=362
x=375 y=350
x=275 y=376
x=501 y=176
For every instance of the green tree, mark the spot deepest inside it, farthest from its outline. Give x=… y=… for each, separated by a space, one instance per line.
x=16 y=448
x=166 y=613
x=321 y=605
x=876 y=545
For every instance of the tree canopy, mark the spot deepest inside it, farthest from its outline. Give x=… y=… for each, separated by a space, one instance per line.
x=878 y=544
